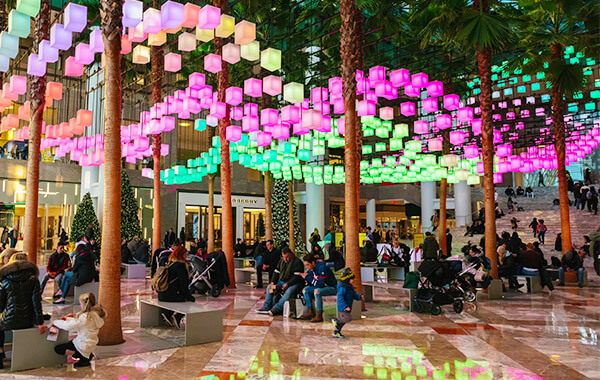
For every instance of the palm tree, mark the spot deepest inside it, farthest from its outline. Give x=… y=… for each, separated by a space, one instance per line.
x=547 y=27
x=158 y=66
x=110 y=275
x=268 y=182
x=37 y=98
x=292 y=244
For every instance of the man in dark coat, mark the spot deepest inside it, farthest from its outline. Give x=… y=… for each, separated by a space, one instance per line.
x=430 y=247
x=13 y=235
x=270 y=260
x=286 y=280
x=182 y=235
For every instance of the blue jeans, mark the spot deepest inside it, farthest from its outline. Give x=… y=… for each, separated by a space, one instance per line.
x=561 y=275
x=541 y=236
x=311 y=292
x=278 y=307
x=66 y=283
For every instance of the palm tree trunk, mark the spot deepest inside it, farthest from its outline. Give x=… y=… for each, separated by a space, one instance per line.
x=443 y=198
x=292 y=243
x=2 y=27
x=110 y=275
x=157 y=74
x=359 y=133
x=558 y=118
x=211 y=213
x=268 y=206
x=351 y=212
x=37 y=91
x=226 y=212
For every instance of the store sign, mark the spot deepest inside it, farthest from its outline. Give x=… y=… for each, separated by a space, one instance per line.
x=244 y=201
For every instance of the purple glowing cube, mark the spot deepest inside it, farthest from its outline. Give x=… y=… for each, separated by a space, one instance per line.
x=96 y=41
x=171 y=14
x=60 y=38
x=35 y=66
x=47 y=53
x=133 y=12
x=75 y=17
x=83 y=54
x=465 y=114
x=209 y=17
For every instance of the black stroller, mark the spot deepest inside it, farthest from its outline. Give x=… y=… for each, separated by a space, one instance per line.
x=435 y=276
x=208 y=275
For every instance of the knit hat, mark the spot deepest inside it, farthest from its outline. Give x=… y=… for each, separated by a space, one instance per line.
x=347 y=274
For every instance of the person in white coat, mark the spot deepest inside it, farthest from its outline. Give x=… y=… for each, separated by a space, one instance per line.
x=86 y=324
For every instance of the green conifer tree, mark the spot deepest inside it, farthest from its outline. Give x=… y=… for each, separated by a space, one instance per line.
x=130 y=222
x=281 y=217
x=84 y=216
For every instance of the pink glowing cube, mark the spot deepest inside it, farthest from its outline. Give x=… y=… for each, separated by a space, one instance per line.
x=430 y=105
x=83 y=54
x=366 y=108
x=47 y=53
x=231 y=53
x=60 y=38
x=172 y=62
x=281 y=131
x=152 y=22
x=35 y=67
x=407 y=108
x=465 y=114
x=476 y=127
x=341 y=126
x=171 y=15
x=125 y=45
x=190 y=15
x=362 y=85
x=269 y=116
x=245 y=32
x=290 y=114
x=338 y=104
x=75 y=17
x=186 y=42
x=419 y=80
x=335 y=86
x=218 y=110
x=451 y=102
x=311 y=119
x=263 y=138
x=197 y=81
x=504 y=150
x=471 y=151
x=233 y=133
x=421 y=127
x=250 y=123
x=251 y=109
x=377 y=73
x=400 y=77
x=324 y=107
x=318 y=94
x=84 y=118
x=298 y=129
x=435 y=144
x=411 y=91
x=209 y=17
x=386 y=90
x=18 y=84
x=212 y=63
x=435 y=88
x=386 y=113
x=457 y=137
x=497 y=177
x=137 y=34
x=236 y=113
x=272 y=85
x=443 y=121
x=253 y=87
x=234 y=96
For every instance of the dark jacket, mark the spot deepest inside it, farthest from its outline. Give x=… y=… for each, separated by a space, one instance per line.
x=574 y=264
x=58 y=263
x=84 y=270
x=20 y=298
x=430 y=248
x=368 y=253
x=336 y=258
x=126 y=255
x=345 y=295
x=141 y=253
x=240 y=249
x=321 y=276
x=285 y=272
x=531 y=259
x=509 y=265
x=271 y=258
x=178 y=290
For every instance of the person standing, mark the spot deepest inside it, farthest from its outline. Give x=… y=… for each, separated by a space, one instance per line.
x=4 y=237
x=171 y=238
x=182 y=235
x=430 y=247
x=89 y=232
x=58 y=263
x=321 y=282
x=577 y=194
x=541 y=231
x=534 y=225
x=314 y=238
x=286 y=280
x=346 y=294
x=448 y=243
x=541 y=179
x=13 y=235
x=584 y=191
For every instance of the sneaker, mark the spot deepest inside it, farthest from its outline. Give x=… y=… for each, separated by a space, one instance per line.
x=560 y=284
x=580 y=285
x=167 y=320
x=337 y=334
x=262 y=310
x=82 y=363
x=271 y=313
x=175 y=322
x=335 y=324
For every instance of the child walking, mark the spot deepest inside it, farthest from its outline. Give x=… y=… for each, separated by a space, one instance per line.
x=345 y=297
x=541 y=231
x=86 y=324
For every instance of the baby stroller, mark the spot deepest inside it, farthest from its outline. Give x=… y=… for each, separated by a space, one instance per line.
x=460 y=287
x=208 y=275
x=435 y=290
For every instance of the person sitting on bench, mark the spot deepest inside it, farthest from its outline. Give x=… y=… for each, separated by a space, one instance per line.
x=20 y=298
x=82 y=272
x=321 y=282
x=571 y=262
x=178 y=285
x=532 y=263
x=58 y=263
x=286 y=282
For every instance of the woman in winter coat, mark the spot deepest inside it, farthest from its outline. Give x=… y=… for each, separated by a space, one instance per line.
x=82 y=272
x=86 y=324
x=20 y=298
x=178 y=290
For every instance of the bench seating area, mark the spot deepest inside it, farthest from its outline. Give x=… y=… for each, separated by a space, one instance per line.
x=243 y=262
x=203 y=324
x=534 y=283
x=369 y=290
x=30 y=349
x=134 y=271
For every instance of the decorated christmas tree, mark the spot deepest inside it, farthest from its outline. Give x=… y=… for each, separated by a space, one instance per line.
x=281 y=217
x=84 y=216
x=260 y=226
x=130 y=222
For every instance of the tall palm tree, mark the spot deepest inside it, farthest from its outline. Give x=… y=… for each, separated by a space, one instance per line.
x=110 y=275
x=226 y=211
x=158 y=69
x=292 y=244
x=37 y=92
x=268 y=182
x=547 y=27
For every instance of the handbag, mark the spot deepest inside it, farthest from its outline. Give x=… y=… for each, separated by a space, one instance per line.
x=411 y=281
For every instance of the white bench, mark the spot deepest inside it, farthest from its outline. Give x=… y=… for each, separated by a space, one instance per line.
x=90 y=287
x=203 y=324
x=396 y=273
x=243 y=262
x=30 y=349
x=134 y=271
x=296 y=304
x=534 y=283
x=244 y=275
x=373 y=273
x=369 y=291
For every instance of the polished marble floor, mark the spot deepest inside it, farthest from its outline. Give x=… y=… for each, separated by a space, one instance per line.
x=523 y=336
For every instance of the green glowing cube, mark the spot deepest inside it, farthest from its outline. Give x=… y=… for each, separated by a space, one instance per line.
x=270 y=59
x=293 y=92
x=18 y=24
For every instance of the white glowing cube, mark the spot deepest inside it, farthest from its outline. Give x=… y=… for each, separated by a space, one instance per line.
x=141 y=55
x=251 y=51
x=186 y=42
x=293 y=92
x=272 y=85
x=231 y=53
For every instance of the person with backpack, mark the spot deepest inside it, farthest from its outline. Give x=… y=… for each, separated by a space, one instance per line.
x=592 y=200
x=346 y=294
x=541 y=231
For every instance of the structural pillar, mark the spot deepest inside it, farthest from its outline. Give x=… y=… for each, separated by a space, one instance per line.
x=427 y=199
x=371 y=212
x=315 y=210
x=462 y=203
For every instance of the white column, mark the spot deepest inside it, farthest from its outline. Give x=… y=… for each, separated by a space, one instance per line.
x=462 y=203
x=315 y=210
x=239 y=223
x=427 y=199
x=371 y=210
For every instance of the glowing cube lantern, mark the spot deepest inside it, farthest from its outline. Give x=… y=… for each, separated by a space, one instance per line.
x=421 y=127
x=84 y=118
x=18 y=84
x=504 y=150
x=430 y=105
x=18 y=24
x=290 y=114
x=270 y=59
x=451 y=102
x=54 y=90
x=263 y=138
x=226 y=28
x=245 y=32
x=172 y=62
x=133 y=12
x=377 y=73
x=152 y=22
x=72 y=68
x=28 y=7
x=186 y=42
x=251 y=51
x=386 y=113
x=457 y=137
x=269 y=116
x=204 y=35
x=96 y=41
x=435 y=144
x=385 y=89
x=400 y=77
x=171 y=15
x=231 y=53
x=407 y=108
x=141 y=55
x=190 y=15
x=325 y=124
x=209 y=17
x=233 y=133
x=400 y=130
x=212 y=63
x=411 y=91
x=449 y=160
x=293 y=92
x=419 y=80
x=281 y=131
x=236 y=113
x=335 y=86
x=311 y=119
x=60 y=38
x=465 y=114
x=251 y=109
x=218 y=110
x=157 y=39
x=75 y=17
x=253 y=87
x=366 y=108
x=35 y=66
x=476 y=127
x=83 y=54
x=234 y=96
x=435 y=88
x=197 y=81
x=4 y=66
x=250 y=123
x=272 y=85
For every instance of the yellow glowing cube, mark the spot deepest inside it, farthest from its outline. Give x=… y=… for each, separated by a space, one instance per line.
x=293 y=92
x=245 y=32
x=270 y=59
x=157 y=39
x=141 y=54
x=226 y=28
x=205 y=35
x=251 y=52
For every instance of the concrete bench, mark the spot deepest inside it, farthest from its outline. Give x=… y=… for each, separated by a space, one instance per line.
x=369 y=291
x=534 y=283
x=243 y=262
x=244 y=275
x=396 y=273
x=90 y=287
x=134 y=271
x=296 y=305
x=203 y=324
x=373 y=273
x=30 y=349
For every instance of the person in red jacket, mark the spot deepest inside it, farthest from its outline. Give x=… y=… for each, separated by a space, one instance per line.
x=57 y=264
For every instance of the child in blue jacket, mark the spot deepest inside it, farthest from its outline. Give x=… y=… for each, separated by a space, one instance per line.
x=345 y=298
